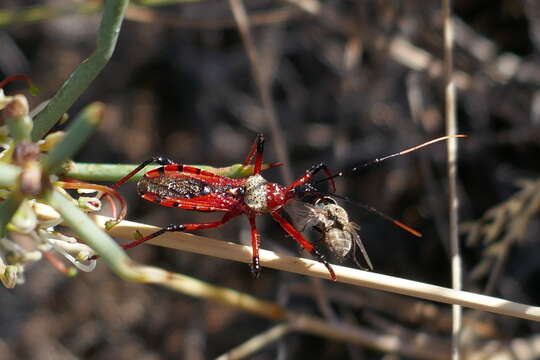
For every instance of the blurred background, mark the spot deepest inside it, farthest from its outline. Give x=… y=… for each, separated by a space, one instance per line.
x=349 y=81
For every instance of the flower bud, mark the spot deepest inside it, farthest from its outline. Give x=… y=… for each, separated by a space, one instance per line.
x=83 y=256
x=24 y=221
x=33 y=256
x=17 y=108
x=51 y=140
x=10 y=276
x=45 y=213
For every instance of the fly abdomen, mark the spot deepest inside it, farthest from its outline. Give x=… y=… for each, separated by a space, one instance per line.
x=339 y=241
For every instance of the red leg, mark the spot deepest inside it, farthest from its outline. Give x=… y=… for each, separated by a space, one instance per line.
x=303 y=242
x=255 y=242
x=309 y=175
x=257 y=150
x=182 y=227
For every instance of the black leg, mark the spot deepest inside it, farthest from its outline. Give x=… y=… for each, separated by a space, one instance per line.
x=156 y=159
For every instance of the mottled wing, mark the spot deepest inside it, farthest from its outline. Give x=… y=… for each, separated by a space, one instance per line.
x=200 y=191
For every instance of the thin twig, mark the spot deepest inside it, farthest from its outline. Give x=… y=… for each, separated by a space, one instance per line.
x=37 y=13
x=231 y=251
x=417 y=348
x=137 y=11
x=150 y=16
x=451 y=126
x=263 y=86
x=256 y=343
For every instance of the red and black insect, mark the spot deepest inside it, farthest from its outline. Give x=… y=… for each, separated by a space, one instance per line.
x=191 y=188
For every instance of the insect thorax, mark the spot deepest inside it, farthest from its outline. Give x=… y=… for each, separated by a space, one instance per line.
x=337 y=213
x=256 y=193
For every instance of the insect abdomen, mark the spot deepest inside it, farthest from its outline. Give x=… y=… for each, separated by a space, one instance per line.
x=339 y=241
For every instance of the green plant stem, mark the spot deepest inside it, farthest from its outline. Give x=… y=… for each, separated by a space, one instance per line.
x=86 y=72
x=101 y=172
x=77 y=134
x=8 y=174
x=114 y=172
x=7 y=209
x=19 y=128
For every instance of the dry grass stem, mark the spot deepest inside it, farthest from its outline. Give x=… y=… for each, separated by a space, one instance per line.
x=256 y=343
x=451 y=129
x=502 y=227
x=421 y=346
x=517 y=348
x=227 y=250
x=150 y=16
x=263 y=82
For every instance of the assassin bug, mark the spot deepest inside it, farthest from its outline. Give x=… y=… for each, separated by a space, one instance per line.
x=191 y=188
x=338 y=233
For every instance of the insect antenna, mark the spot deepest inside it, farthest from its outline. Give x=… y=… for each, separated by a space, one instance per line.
x=372 y=210
x=378 y=160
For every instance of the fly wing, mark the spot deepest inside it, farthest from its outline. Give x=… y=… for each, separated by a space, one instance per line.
x=303 y=215
x=360 y=245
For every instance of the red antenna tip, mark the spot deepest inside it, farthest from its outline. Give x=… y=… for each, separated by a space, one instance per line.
x=407 y=228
